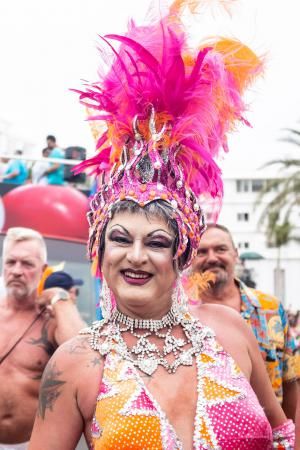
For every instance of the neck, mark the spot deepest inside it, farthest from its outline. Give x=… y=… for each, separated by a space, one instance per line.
x=16 y=304
x=144 y=313
x=225 y=294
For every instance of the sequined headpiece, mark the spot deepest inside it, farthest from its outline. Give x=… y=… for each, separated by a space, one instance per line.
x=167 y=110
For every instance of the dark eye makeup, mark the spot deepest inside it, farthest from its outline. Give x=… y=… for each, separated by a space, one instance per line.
x=158 y=241
x=119 y=237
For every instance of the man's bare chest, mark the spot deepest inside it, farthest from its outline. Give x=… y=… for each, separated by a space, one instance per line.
x=27 y=350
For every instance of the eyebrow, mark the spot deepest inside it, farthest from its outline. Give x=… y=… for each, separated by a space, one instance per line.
x=148 y=235
x=160 y=229
x=118 y=225
x=25 y=258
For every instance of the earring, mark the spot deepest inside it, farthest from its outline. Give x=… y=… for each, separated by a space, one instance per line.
x=107 y=302
x=179 y=298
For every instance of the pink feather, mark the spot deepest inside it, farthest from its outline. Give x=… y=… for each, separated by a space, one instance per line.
x=203 y=99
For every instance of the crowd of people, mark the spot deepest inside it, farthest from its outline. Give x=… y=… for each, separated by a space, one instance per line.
x=43 y=172
x=160 y=370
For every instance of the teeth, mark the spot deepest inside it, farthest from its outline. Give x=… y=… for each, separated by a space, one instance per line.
x=135 y=275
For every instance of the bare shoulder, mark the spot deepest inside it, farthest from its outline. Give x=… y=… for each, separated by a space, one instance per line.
x=231 y=331
x=226 y=322
x=77 y=352
x=210 y=314
x=76 y=365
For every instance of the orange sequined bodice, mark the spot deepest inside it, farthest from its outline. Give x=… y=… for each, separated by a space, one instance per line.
x=228 y=414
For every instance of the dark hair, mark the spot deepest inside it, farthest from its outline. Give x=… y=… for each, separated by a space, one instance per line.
x=157 y=208
x=50 y=137
x=218 y=226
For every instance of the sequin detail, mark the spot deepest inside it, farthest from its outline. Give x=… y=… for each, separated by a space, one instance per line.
x=228 y=414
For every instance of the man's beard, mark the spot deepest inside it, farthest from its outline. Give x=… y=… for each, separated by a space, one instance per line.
x=220 y=277
x=19 y=292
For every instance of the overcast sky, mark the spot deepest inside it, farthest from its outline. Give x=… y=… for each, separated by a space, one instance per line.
x=48 y=46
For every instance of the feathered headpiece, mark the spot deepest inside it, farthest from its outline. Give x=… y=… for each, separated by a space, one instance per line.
x=167 y=111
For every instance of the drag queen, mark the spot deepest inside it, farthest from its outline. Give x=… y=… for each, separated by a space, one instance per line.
x=150 y=376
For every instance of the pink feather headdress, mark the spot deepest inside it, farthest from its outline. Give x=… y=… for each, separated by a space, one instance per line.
x=167 y=111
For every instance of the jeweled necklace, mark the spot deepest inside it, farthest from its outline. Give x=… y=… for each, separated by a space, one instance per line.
x=169 y=319
x=146 y=355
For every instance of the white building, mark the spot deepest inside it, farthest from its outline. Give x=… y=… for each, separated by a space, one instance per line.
x=241 y=215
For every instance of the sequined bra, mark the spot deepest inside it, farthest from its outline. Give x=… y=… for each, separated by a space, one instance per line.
x=228 y=414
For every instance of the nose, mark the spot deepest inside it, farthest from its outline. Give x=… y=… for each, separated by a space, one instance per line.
x=137 y=254
x=17 y=269
x=211 y=256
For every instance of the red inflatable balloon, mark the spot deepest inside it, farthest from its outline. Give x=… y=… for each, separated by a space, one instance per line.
x=55 y=211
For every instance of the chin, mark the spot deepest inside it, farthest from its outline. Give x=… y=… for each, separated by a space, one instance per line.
x=134 y=296
x=220 y=280
x=18 y=294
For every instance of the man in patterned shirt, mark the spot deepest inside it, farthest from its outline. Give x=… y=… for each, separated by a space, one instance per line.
x=264 y=313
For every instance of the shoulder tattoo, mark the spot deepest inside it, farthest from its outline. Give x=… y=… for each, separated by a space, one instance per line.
x=78 y=346
x=50 y=390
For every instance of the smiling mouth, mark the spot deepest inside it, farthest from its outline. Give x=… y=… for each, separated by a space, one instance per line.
x=211 y=269
x=136 y=277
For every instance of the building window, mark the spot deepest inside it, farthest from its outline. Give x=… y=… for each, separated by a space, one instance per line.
x=257 y=185
x=243 y=245
x=243 y=217
x=242 y=185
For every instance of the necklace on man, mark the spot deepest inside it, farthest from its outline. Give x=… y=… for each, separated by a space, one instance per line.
x=107 y=335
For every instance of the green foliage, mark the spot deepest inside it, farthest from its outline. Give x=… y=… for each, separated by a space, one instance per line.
x=278 y=234
x=285 y=196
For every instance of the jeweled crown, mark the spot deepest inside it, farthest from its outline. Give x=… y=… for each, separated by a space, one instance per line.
x=167 y=110
x=148 y=171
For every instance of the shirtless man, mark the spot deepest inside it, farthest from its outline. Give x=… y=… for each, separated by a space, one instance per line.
x=31 y=328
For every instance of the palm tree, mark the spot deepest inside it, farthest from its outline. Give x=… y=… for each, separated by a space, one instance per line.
x=285 y=198
x=285 y=188
x=278 y=234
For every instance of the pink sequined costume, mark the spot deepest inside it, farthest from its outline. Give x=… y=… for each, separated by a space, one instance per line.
x=228 y=415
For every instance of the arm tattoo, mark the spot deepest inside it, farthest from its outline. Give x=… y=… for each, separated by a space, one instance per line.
x=43 y=342
x=95 y=361
x=79 y=346
x=50 y=389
